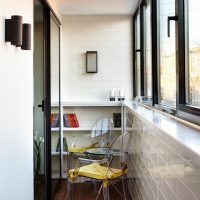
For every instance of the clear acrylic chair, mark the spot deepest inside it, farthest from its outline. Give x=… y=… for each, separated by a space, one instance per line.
x=101 y=136
x=102 y=172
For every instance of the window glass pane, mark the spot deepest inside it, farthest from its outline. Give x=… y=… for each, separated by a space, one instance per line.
x=194 y=52
x=167 y=54
x=137 y=46
x=148 y=60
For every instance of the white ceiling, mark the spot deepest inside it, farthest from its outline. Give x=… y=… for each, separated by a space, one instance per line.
x=97 y=7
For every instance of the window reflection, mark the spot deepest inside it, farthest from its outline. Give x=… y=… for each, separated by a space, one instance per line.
x=194 y=52
x=148 y=52
x=167 y=54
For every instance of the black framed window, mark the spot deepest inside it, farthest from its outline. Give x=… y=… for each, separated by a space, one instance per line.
x=142 y=52
x=167 y=56
x=147 y=50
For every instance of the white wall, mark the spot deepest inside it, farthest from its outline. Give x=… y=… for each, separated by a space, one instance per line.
x=111 y=36
x=16 y=118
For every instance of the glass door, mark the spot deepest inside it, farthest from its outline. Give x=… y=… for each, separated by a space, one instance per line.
x=38 y=104
x=46 y=119
x=56 y=142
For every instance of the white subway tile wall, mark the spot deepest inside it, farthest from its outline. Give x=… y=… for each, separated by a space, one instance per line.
x=158 y=171
x=111 y=36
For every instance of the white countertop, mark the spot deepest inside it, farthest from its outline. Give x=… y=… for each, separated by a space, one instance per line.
x=179 y=133
x=88 y=103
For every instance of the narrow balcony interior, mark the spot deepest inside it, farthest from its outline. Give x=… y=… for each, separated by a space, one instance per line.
x=115 y=71
x=100 y=100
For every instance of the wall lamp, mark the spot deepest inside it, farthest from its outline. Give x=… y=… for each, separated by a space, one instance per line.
x=91 y=62
x=17 y=33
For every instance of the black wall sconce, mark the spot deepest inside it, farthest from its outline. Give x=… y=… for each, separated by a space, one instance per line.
x=17 y=33
x=91 y=62
x=26 y=37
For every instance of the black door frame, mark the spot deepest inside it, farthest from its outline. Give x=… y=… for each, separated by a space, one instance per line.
x=47 y=104
x=47 y=96
x=47 y=46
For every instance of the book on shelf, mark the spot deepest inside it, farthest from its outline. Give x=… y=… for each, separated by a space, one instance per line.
x=65 y=146
x=70 y=120
x=117 y=120
x=55 y=121
x=66 y=120
x=70 y=117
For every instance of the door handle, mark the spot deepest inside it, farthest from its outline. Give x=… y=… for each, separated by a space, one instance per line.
x=41 y=106
x=174 y=18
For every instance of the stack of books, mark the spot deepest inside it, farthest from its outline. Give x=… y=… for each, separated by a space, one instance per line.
x=55 y=122
x=70 y=120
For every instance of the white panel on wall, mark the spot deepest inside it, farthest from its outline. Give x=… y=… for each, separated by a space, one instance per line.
x=16 y=119
x=111 y=36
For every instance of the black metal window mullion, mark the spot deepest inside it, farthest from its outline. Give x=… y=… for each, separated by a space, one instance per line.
x=134 y=58
x=180 y=55
x=142 y=39
x=135 y=51
x=154 y=36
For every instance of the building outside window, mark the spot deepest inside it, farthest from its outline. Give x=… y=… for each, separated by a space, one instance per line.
x=148 y=50
x=167 y=58
x=137 y=52
x=193 y=53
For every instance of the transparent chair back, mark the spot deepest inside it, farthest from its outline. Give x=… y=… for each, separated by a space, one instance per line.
x=119 y=151
x=101 y=135
x=102 y=131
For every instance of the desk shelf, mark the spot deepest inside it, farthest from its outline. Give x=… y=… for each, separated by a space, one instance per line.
x=87 y=113
x=91 y=104
x=85 y=129
x=55 y=129
x=77 y=129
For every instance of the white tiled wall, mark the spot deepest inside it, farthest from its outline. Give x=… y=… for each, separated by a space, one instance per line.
x=111 y=36
x=157 y=170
